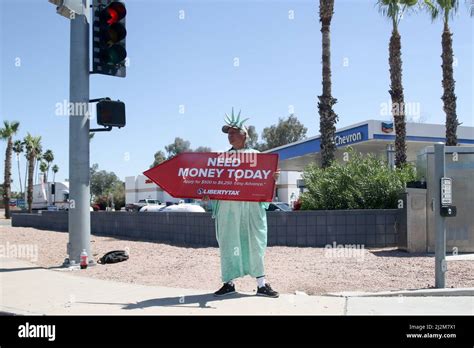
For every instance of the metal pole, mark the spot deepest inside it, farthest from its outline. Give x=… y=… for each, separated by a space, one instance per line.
x=390 y=156
x=79 y=175
x=440 y=221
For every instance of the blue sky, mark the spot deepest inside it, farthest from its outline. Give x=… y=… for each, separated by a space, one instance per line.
x=190 y=62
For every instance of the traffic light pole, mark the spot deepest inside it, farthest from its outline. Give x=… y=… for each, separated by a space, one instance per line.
x=79 y=171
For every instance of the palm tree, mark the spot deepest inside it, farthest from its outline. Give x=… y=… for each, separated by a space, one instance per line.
x=6 y=133
x=394 y=10
x=18 y=149
x=55 y=169
x=38 y=158
x=447 y=9
x=43 y=169
x=33 y=147
x=327 y=116
x=26 y=170
x=48 y=156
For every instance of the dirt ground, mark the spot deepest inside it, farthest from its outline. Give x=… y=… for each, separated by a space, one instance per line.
x=314 y=271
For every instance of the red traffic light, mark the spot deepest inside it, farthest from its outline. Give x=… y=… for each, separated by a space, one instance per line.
x=113 y=13
x=108 y=37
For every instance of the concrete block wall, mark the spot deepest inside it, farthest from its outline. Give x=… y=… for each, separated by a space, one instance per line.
x=167 y=227
x=372 y=228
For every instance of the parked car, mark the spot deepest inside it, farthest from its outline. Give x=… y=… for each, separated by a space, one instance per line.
x=278 y=206
x=152 y=208
x=141 y=203
x=184 y=208
x=181 y=207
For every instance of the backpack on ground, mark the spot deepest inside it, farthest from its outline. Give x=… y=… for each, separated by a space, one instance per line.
x=114 y=257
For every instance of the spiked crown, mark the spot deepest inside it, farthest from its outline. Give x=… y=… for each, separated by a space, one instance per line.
x=234 y=122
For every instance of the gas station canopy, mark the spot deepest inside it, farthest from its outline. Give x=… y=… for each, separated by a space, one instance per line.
x=372 y=136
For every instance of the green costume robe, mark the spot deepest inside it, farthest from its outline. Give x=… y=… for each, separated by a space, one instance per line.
x=241 y=231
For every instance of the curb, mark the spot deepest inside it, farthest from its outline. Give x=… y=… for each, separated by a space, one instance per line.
x=416 y=292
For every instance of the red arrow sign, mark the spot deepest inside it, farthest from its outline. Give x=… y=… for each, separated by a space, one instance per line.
x=223 y=176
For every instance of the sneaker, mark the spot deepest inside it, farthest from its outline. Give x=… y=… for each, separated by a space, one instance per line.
x=226 y=289
x=267 y=291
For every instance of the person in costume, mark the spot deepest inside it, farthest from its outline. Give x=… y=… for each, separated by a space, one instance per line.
x=241 y=227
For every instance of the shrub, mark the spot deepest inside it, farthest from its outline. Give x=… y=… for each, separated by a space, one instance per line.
x=363 y=182
x=102 y=202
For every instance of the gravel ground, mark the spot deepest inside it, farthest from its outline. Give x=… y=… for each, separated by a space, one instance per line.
x=288 y=269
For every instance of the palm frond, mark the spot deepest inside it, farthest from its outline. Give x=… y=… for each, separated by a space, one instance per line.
x=470 y=5
x=9 y=129
x=15 y=125
x=432 y=9
x=18 y=146
x=395 y=9
x=441 y=8
x=388 y=8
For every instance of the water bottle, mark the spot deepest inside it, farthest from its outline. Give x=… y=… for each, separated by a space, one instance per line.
x=83 y=259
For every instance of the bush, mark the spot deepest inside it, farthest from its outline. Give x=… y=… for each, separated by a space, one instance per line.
x=105 y=200
x=297 y=204
x=101 y=202
x=363 y=182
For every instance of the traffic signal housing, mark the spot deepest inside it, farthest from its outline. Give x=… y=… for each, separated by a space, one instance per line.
x=108 y=38
x=111 y=113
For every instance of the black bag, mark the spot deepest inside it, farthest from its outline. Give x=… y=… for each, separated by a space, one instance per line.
x=114 y=257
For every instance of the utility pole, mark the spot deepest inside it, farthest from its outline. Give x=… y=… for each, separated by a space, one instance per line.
x=79 y=172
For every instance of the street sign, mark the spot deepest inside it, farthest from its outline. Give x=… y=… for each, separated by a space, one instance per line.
x=221 y=176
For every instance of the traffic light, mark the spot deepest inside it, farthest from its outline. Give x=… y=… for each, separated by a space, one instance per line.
x=111 y=113
x=108 y=38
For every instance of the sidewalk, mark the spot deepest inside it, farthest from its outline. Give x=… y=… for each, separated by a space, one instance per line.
x=28 y=289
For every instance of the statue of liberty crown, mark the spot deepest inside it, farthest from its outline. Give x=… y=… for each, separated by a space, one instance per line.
x=234 y=122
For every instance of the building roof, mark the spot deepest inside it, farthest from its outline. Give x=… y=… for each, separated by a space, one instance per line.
x=371 y=136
